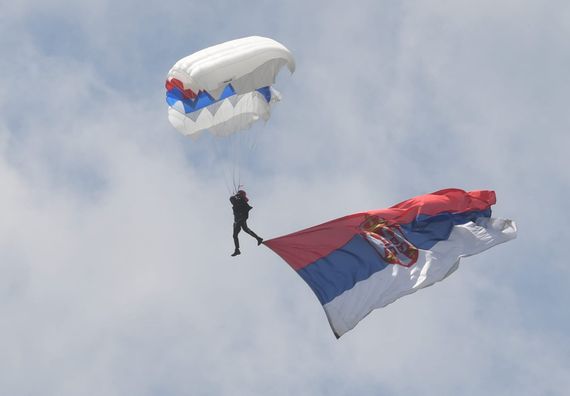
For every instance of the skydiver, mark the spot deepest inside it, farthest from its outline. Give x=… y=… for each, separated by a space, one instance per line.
x=241 y=213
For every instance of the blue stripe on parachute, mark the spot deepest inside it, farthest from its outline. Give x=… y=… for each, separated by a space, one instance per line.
x=204 y=99
x=357 y=260
x=266 y=92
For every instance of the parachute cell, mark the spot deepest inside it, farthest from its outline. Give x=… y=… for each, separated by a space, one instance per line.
x=227 y=87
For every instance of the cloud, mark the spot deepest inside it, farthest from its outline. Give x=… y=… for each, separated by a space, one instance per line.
x=115 y=231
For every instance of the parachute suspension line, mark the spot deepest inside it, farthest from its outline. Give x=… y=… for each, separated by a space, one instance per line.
x=239 y=149
x=216 y=144
x=235 y=159
x=240 y=156
x=245 y=145
x=238 y=159
x=252 y=143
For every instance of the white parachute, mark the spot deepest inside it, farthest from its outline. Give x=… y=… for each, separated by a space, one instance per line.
x=225 y=88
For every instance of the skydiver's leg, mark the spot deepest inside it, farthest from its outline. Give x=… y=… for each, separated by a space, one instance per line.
x=250 y=232
x=237 y=228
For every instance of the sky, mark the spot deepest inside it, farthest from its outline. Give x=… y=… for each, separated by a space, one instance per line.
x=115 y=230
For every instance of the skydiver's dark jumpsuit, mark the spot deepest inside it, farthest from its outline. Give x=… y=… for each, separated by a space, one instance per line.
x=241 y=213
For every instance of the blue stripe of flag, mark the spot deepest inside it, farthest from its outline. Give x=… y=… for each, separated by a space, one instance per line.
x=357 y=260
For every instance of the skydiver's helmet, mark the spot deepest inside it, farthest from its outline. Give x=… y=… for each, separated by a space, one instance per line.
x=242 y=194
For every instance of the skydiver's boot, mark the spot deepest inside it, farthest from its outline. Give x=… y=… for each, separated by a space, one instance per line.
x=236 y=252
x=259 y=241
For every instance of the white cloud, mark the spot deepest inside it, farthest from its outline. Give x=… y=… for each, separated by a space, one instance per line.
x=115 y=232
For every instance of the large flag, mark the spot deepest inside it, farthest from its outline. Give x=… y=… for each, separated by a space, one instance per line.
x=367 y=260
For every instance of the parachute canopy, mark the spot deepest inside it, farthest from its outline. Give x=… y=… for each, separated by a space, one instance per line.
x=227 y=87
x=368 y=260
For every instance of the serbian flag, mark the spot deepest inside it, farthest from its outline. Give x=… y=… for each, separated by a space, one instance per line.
x=367 y=260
